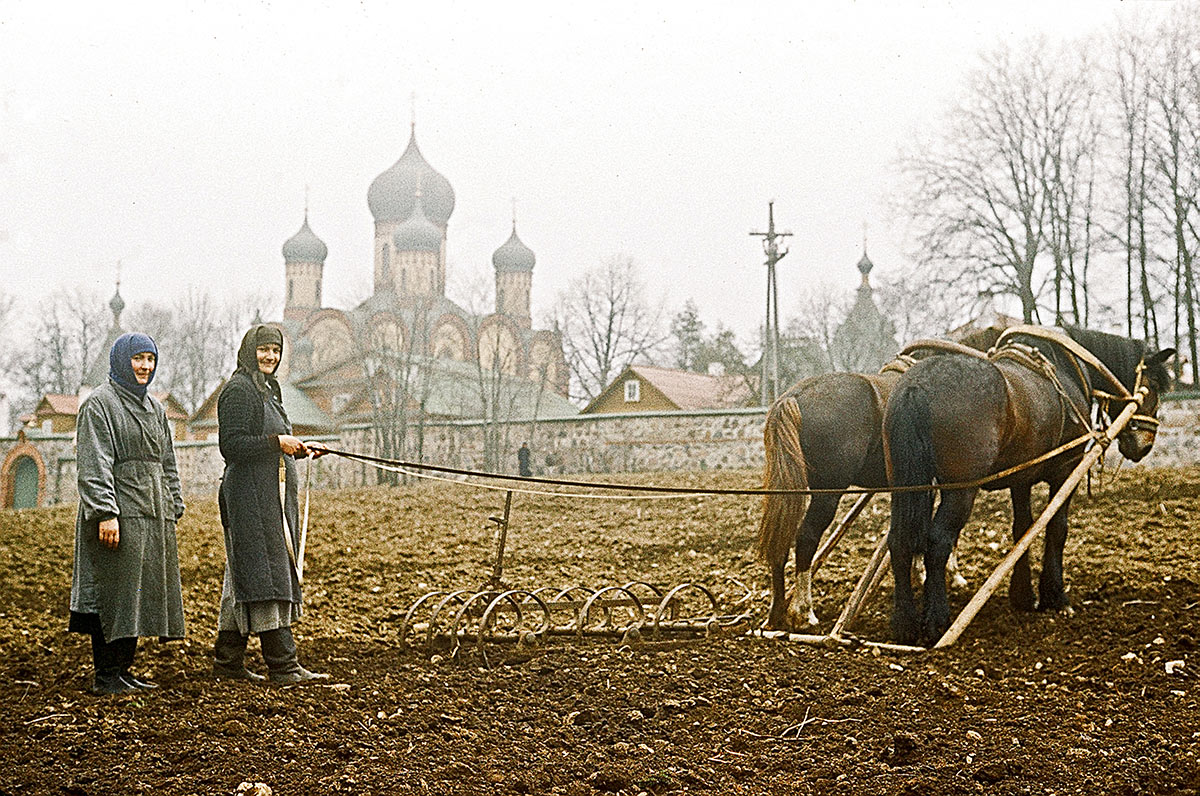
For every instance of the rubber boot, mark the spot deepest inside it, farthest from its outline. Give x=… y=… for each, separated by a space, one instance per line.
x=126 y=650
x=229 y=653
x=279 y=651
x=108 y=659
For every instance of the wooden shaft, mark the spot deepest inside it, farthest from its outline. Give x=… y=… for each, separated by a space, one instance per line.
x=839 y=531
x=827 y=641
x=874 y=584
x=860 y=589
x=1060 y=497
x=501 y=537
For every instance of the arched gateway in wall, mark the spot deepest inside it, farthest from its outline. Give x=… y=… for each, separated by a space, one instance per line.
x=22 y=478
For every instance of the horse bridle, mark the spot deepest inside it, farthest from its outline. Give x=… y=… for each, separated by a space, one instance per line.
x=1139 y=422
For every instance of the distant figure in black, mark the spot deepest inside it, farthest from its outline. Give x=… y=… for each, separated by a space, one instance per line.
x=523 y=460
x=125 y=582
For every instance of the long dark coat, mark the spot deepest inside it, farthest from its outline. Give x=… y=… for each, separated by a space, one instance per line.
x=125 y=466
x=251 y=512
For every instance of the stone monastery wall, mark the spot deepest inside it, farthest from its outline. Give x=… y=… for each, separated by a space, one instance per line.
x=695 y=441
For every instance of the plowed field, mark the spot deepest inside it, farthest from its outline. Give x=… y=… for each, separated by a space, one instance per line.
x=1104 y=701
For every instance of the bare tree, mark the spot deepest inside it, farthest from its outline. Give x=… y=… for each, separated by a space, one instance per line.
x=607 y=324
x=197 y=336
x=1129 y=82
x=1071 y=130
x=398 y=382
x=906 y=298
x=1175 y=158
x=65 y=338
x=979 y=199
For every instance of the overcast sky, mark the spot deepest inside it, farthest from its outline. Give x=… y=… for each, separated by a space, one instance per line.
x=179 y=138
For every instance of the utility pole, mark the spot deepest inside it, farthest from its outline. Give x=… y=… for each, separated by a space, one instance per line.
x=770 y=357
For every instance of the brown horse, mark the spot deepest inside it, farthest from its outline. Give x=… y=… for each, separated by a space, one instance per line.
x=956 y=419
x=824 y=433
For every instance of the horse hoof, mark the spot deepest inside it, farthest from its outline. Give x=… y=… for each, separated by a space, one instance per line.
x=1021 y=601
x=1063 y=608
x=799 y=620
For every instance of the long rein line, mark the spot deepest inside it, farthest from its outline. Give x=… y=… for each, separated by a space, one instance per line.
x=670 y=491
x=648 y=491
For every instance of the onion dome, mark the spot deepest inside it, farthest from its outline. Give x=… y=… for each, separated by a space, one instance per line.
x=304 y=246
x=390 y=196
x=117 y=305
x=418 y=233
x=513 y=255
x=865 y=265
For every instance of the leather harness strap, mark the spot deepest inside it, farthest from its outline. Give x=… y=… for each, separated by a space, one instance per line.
x=1121 y=393
x=947 y=346
x=1073 y=347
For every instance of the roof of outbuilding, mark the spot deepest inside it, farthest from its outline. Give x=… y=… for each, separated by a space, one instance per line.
x=685 y=389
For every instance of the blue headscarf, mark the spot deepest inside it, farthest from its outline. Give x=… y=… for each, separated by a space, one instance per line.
x=120 y=367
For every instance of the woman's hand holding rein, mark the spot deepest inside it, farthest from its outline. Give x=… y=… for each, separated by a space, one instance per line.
x=292 y=446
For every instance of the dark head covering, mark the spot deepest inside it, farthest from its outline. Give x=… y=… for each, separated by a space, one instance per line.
x=247 y=359
x=120 y=366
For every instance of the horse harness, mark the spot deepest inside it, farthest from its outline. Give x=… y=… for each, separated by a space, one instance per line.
x=1034 y=359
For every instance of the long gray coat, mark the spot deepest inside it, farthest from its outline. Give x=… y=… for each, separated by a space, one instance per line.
x=126 y=469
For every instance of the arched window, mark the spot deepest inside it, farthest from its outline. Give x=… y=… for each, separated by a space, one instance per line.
x=385 y=266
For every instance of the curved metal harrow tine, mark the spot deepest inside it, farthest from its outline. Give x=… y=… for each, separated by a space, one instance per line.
x=456 y=629
x=522 y=636
x=512 y=615
x=670 y=604
x=745 y=603
x=607 y=627
x=407 y=624
x=431 y=634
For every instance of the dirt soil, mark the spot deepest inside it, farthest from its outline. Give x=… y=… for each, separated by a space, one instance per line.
x=1104 y=701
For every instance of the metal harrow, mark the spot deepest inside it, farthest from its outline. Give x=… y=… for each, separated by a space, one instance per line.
x=448 y=620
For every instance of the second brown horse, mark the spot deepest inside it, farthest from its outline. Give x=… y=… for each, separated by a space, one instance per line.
x=825 y=433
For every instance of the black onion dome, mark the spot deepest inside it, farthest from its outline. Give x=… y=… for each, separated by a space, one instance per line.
x=865 y=265
x=513 y=255
x=117 y=305
x=304 y=246
x=390 y=196
x=418 y=233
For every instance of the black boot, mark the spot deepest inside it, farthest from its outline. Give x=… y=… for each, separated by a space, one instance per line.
x=108 y=660
x=229 y=657
x=279 y=651
x=126 y=650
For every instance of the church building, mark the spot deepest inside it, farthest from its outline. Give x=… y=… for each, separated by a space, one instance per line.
x=334 y=356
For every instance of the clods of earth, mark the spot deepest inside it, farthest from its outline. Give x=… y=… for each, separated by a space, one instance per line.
x=1104 y=701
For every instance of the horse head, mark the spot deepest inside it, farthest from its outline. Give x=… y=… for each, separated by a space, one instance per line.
x=1137 y=438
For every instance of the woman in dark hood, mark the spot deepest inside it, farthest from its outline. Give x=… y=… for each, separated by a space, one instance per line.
x=258 y=500
x=125 y=579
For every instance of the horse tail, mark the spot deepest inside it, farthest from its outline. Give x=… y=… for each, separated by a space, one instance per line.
x=908 y=432
x=785 y=469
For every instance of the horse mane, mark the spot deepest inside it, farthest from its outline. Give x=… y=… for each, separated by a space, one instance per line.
x=1121 y=355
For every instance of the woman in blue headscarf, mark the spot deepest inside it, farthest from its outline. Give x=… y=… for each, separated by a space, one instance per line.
x=125 y=581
